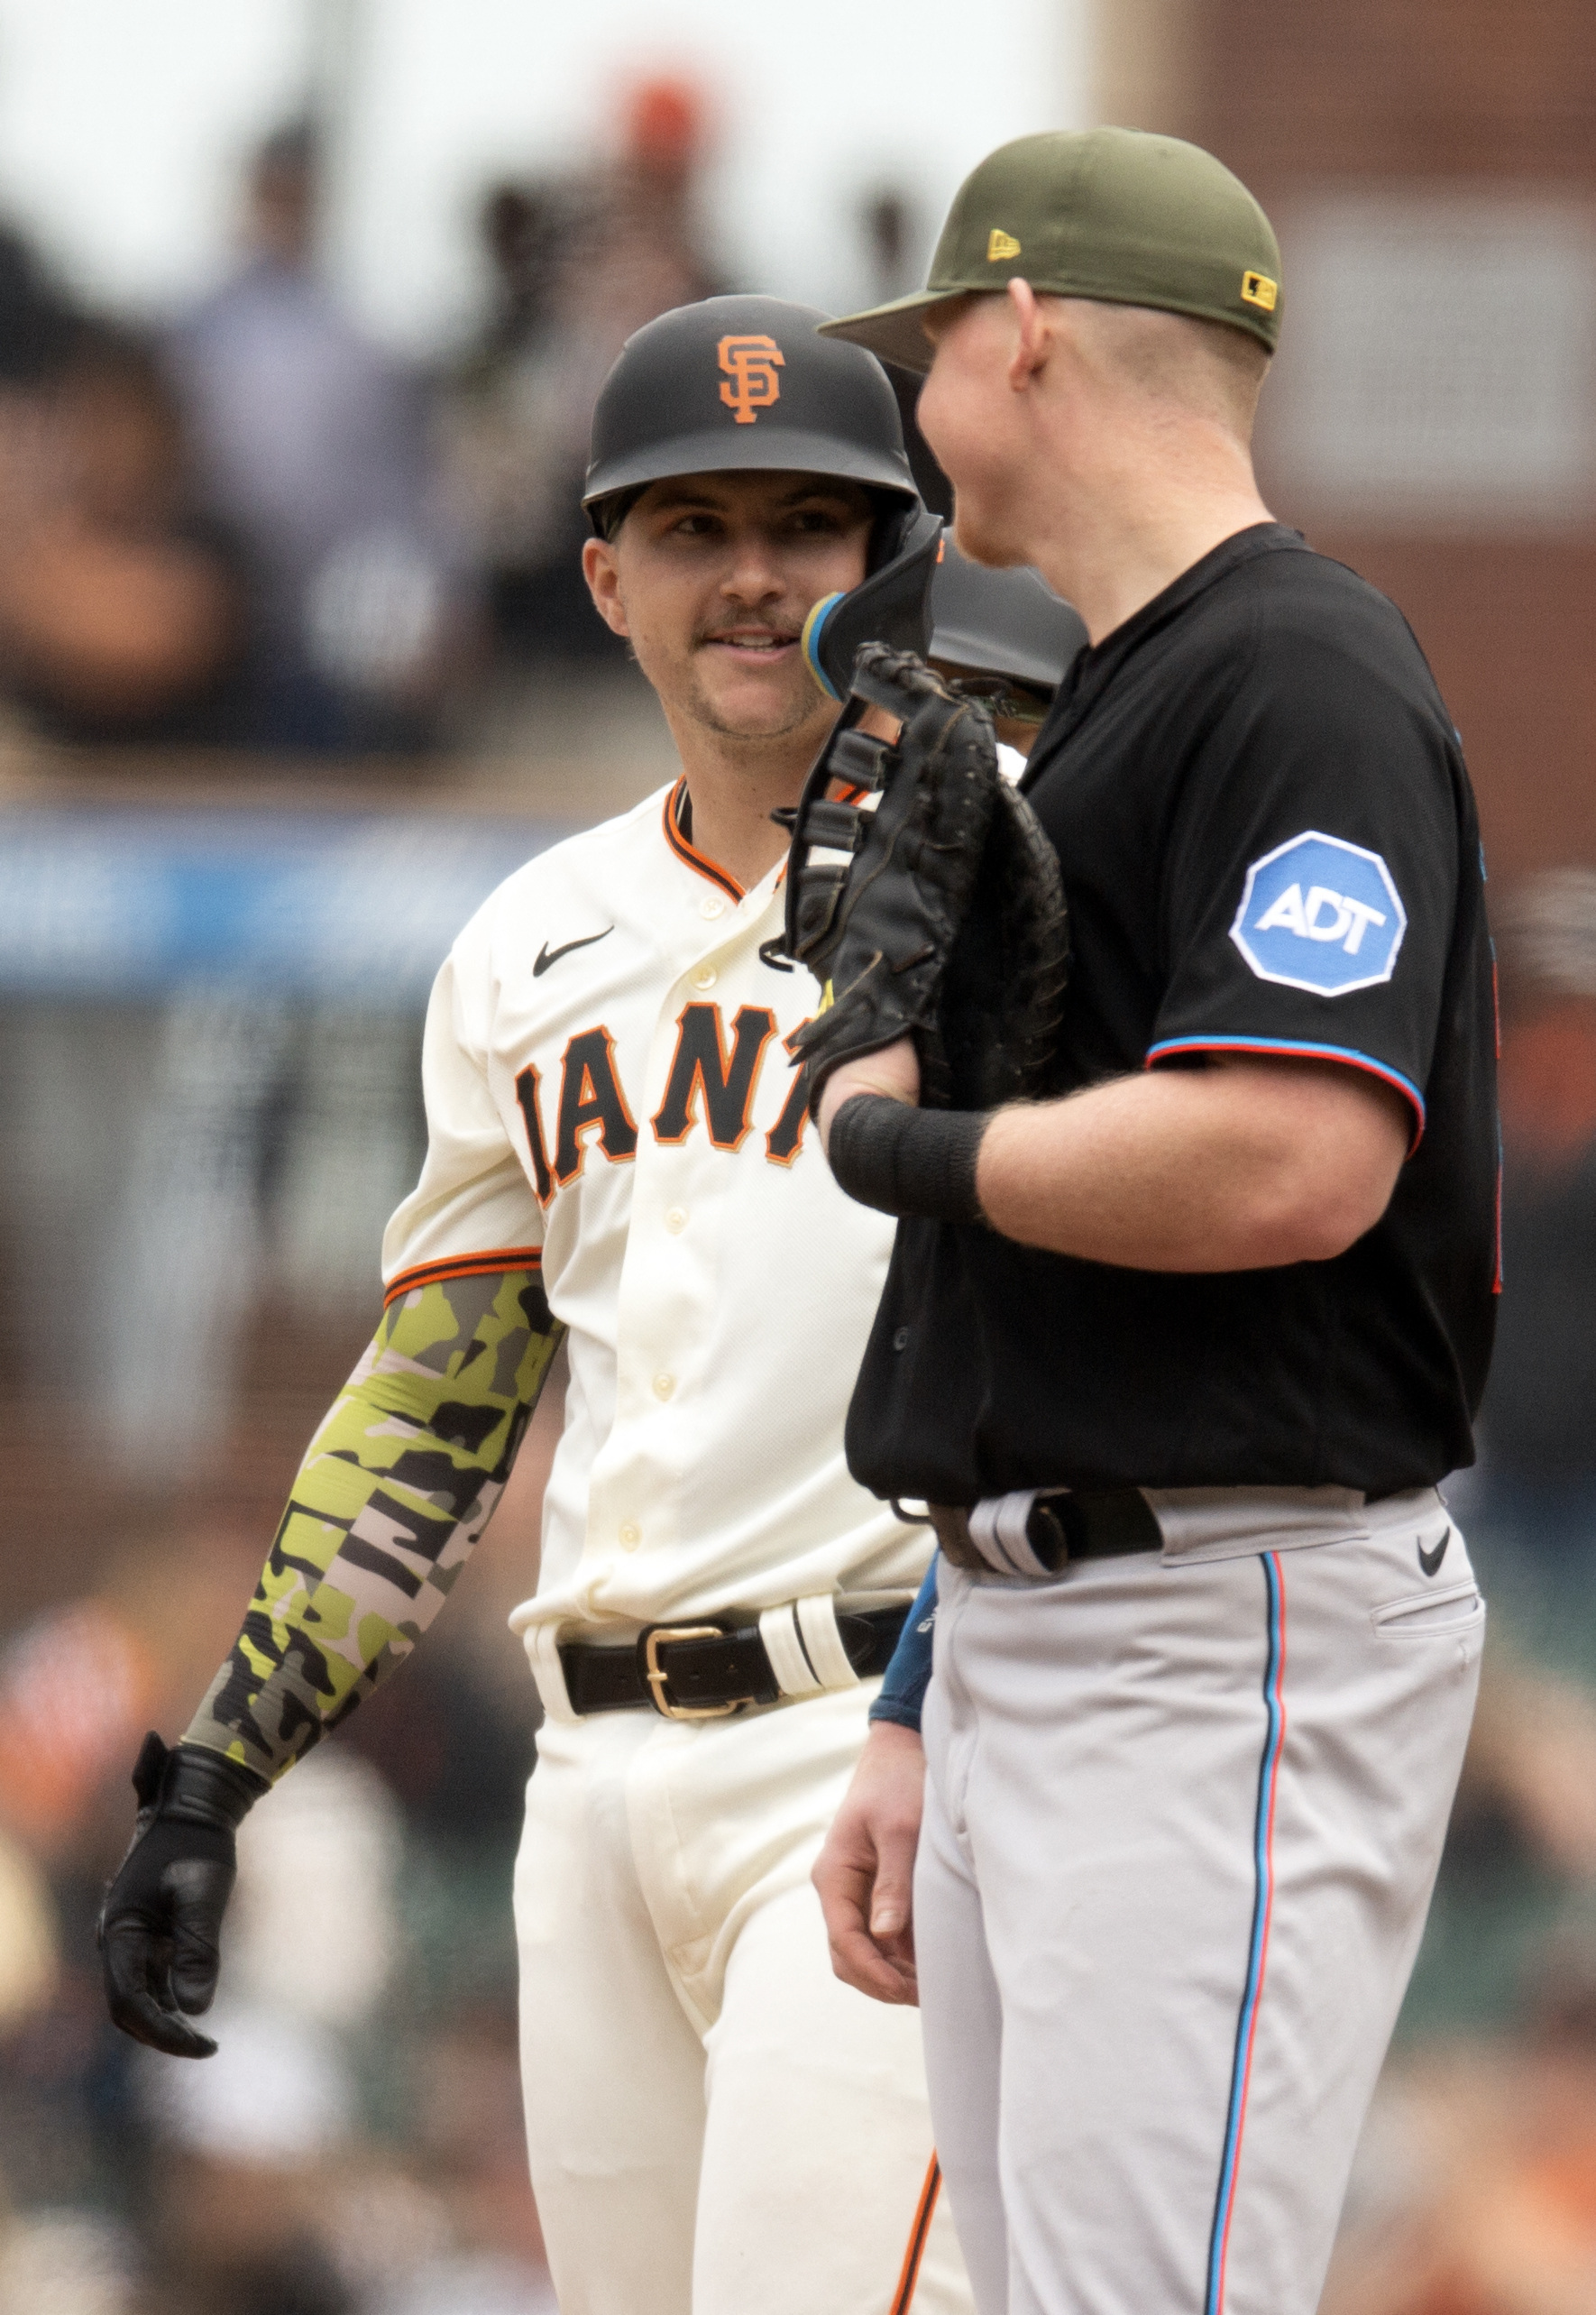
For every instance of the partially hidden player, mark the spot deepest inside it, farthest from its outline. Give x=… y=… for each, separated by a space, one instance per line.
x=620 y=1155
x=984 y=621
x=1177 y=1353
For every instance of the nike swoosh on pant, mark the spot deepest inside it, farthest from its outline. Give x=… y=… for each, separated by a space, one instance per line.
x=546 y=956
x=1430 y=1560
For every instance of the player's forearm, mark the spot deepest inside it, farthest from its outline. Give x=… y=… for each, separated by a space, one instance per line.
x=1240 y=1167
x=396 y=1488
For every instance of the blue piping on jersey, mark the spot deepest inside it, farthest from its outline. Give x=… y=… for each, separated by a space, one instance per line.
x=1355 y=1060
x=1263 y=1891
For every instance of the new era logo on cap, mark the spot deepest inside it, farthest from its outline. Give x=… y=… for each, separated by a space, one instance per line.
x=1000 y=244
x=1322 y=915
x=1257 y=289
x=750 y=364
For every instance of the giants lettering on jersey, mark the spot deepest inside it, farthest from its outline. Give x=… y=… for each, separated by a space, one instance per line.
x=710 y=1087
x=703 y=1067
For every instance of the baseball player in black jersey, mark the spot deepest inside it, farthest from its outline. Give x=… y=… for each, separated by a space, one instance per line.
x=1177 y=1357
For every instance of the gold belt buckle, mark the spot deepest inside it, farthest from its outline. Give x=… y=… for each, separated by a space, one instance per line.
x=658 y=1678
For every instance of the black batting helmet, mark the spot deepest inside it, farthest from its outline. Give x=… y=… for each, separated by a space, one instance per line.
x=744 y=382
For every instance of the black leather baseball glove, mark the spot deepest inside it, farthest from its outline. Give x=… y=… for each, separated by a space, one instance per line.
x=936 y=913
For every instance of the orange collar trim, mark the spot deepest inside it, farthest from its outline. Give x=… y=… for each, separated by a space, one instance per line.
x=699 y=861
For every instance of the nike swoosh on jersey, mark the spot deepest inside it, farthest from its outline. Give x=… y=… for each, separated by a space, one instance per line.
x=546 y=956
x=1430 y=1560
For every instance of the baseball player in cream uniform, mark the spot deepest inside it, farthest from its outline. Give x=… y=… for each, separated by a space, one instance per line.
x=698 y=2086
x=619 y=1154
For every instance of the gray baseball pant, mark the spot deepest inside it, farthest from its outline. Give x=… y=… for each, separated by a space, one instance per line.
x=1183 y=1817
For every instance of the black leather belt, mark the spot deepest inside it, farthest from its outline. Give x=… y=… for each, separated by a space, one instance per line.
x=1065 y=1523
x=703 y=1671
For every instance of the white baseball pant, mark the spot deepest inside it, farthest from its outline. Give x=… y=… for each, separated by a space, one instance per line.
x=1183 y=1817
x=716 y=2126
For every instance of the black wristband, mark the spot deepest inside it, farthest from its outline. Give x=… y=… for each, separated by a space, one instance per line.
x=905 y=1161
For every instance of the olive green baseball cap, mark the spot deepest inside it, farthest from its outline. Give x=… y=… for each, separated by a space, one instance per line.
x=1118 y=215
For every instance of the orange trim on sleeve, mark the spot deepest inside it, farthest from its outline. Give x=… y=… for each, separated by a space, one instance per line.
x=685 y=851
x=489 y=1264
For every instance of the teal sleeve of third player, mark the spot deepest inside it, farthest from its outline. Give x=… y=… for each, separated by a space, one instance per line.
x=908 y=1675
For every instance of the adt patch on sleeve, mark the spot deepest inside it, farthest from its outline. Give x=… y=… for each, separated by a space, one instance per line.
x=1322 y=915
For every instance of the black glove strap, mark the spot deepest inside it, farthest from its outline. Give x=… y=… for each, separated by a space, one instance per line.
x=194 y=1786
x=906 y=1161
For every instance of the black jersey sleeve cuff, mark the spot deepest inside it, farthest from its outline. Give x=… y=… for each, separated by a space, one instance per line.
x=1295 y=1048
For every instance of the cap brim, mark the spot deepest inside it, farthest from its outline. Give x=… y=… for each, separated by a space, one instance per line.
x=895 y=333
x=735 y=450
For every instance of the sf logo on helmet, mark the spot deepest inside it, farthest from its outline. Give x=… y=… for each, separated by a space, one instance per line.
x=750 y=364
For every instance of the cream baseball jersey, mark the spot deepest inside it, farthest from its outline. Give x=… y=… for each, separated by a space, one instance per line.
x=608 y=1087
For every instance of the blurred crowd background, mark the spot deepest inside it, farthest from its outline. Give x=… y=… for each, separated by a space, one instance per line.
x=302 y=312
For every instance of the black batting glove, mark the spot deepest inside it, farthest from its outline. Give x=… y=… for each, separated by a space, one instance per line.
x=160 y=1925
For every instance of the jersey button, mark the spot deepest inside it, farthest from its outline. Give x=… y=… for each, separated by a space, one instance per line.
x=664 y=1385
x=676 y=1220
x=711 y=906
x=705 y=977
x=630 y=1537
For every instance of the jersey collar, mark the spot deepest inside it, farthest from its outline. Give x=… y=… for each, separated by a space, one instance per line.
x=1096 y=667
x=687 y=849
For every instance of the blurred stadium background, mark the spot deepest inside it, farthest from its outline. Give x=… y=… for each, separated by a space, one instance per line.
x=302 y=306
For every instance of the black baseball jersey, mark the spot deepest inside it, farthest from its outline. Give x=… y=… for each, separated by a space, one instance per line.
x=1269 y=846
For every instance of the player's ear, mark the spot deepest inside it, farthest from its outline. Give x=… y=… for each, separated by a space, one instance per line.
x=1029 y=350
x=604 y=581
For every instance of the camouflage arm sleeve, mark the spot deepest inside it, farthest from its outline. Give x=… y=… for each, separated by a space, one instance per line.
x=395 y=1489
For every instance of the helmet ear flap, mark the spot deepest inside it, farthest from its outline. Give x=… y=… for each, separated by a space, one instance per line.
x=893 y=605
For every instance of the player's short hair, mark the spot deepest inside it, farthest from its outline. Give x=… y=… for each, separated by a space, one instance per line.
x=1206 y=366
